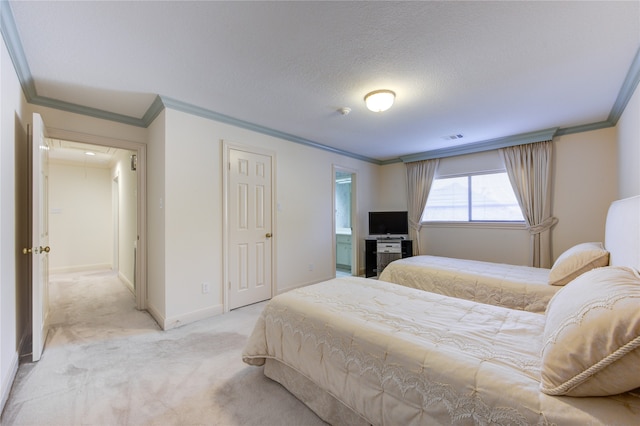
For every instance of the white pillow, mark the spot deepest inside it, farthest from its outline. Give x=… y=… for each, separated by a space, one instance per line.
x=576 y=261
x=591 y=342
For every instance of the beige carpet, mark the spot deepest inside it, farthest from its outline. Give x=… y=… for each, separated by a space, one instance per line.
x=105 y=363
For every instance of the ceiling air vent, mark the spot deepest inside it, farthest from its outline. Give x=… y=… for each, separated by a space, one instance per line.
x=452 y=137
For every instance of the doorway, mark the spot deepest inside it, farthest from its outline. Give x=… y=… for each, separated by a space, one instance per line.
x=110 y=173
x=345 y=239
x=93 y=224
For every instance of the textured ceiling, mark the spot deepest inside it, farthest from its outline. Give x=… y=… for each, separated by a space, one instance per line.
x=484 y=70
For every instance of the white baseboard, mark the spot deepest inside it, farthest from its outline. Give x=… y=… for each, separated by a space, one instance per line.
x=25 y=341
x=155 y=313
x=180 y=320
x=126 y=282
x=7 y=382
x=80 y=268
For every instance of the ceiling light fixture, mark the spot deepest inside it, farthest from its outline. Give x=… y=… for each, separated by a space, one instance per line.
x=379 y=100
x=90 y=153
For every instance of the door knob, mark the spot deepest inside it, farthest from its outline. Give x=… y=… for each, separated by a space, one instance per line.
x=36 y=250
x=268 y=235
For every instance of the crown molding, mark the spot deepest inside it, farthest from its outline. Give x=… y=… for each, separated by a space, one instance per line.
x=521 y=139
x=626 y=91
x=14 y=46
x=85 y=110
x=16 y=52
x=211 y=115
x=584 y=128
x=153 y=111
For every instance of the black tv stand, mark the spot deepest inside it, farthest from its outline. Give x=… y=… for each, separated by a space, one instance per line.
x=373 y=262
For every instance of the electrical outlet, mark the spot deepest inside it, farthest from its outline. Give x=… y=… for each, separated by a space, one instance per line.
x=205 y=288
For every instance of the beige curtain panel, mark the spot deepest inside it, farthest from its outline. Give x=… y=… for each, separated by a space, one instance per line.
x=529 y=170
x=419 y=179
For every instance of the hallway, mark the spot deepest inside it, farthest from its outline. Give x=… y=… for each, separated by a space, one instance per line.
x=96 y=304
x=106 y=363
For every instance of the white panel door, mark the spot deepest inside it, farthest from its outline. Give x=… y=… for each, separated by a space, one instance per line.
x=40 y=236
x=249 y=221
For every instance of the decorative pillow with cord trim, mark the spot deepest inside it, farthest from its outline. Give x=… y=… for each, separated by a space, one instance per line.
x=591 y=344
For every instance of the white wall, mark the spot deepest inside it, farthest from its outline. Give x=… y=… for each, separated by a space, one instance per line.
x=629 y=148
x=80 y=218
x=391 y=184
x=12 y=132
x=156 y=294
x=192 y=210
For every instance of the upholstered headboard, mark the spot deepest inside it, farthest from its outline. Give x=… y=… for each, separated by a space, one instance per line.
x=622 y=232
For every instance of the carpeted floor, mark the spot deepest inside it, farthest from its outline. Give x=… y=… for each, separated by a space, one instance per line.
x=105 y=363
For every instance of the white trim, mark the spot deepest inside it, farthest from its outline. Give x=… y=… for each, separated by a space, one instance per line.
x=126 y=282
x=354 y=217
x=80 y=268
x=115 y=216
x=180 y=320
x=156 y=314
x=7 y=383
x=476 y=224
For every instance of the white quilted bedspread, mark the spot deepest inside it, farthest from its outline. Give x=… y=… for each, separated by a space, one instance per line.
x=512 y=286
x=400 y=356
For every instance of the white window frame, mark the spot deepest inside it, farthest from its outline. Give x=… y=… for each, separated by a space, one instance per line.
x=486 y=224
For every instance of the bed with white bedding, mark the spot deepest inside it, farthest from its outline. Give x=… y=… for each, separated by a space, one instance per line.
x=514 y=286
x=361 y=351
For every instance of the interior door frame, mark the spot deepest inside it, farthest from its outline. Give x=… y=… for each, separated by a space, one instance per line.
x=140 y=149
x=115 y=208
x=225 y=166
x=355 y=271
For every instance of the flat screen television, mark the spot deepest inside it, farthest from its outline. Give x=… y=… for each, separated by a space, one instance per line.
x=388 y=223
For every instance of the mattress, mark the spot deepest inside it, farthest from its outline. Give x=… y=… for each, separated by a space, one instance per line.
x=396 y=355
x=511 y=286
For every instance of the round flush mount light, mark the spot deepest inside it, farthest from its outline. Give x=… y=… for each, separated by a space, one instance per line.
x=379 y=100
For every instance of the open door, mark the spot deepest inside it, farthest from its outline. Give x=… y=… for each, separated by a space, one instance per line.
x=39 y=236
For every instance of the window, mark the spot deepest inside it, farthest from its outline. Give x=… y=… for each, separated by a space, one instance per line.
x=478 y=197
